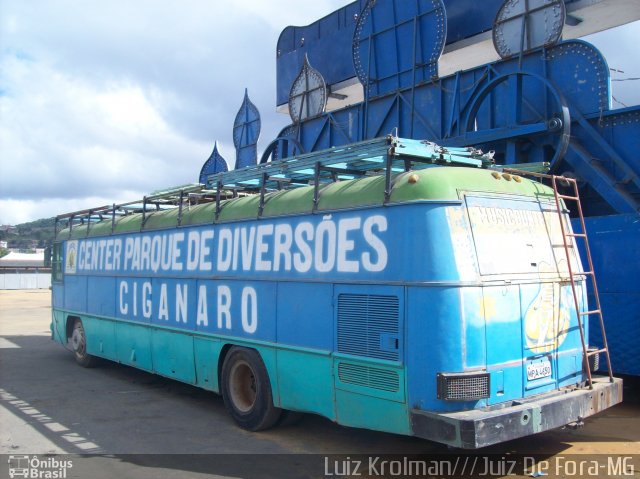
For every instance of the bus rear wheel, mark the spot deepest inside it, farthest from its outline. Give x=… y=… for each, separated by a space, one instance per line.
x=79 y=346
x=246 y=390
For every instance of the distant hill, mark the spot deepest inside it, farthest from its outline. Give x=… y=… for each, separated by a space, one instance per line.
x=35 y=234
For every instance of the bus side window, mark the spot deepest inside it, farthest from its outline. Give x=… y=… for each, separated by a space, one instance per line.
x=56 y=263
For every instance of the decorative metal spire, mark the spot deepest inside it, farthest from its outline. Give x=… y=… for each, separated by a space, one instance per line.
x=308 y=94
x=215 y=164
x=246 y=131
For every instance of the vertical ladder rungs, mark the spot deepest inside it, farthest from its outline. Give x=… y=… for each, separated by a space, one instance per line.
x=573 y=276
x=568 y=197
x=596 y=351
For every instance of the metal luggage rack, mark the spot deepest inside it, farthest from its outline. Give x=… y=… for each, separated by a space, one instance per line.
x=178 y=197
x=385 y=155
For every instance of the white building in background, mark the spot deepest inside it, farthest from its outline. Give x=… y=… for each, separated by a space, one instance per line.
x=24 y=271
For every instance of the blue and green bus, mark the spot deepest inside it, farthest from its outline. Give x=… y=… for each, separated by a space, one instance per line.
x=390 y=292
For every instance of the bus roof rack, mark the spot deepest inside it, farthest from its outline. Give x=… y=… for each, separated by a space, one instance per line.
x=386 y=155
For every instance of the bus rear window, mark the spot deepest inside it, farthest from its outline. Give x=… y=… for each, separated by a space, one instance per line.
x=516 y=235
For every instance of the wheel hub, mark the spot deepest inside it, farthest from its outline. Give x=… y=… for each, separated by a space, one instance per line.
x=243 y=388
x=77 y=340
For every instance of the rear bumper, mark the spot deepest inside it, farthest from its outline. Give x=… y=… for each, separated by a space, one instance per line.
x=479 y=428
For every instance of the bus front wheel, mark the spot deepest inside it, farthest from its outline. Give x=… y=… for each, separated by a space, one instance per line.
x=246 y=390
x=79 y=346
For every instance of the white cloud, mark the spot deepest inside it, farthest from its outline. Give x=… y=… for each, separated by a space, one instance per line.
x=107 y=101
x=21 y=211
x=618 y=45
x=65 y=137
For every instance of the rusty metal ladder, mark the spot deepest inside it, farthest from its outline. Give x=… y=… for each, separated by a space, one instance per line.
x=566 y=240
x=567 y=234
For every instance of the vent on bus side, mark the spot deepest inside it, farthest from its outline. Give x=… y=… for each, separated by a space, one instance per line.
x=368 y=326
x=371 y=377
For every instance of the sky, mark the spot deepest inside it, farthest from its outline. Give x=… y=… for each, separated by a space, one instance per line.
x=105 y=101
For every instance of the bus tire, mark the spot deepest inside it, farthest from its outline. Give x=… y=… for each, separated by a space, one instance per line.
x=79 y=346
x=246 y=390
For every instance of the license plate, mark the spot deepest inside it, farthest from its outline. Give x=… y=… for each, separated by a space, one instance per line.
x=539 y=369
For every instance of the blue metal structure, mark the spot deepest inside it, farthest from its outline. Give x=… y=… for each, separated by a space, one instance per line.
x=246 y=131
x=328 y=41
x=549 y=105
x=214 y=164
x=524 y=26
x=383 y=58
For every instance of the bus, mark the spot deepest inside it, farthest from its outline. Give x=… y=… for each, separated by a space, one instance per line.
x=392 y=285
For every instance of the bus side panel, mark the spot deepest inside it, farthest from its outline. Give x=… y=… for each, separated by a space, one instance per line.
x=133 y=343
x=75 y=293
x=207 y=354
x=305 y=315
x=174 y=303
x=243 y=309
x=100 y=337
x=173 y=355
x=368 y=367
x=130 y=301
x=57 y=295
x=58 y=326
x=357 y=410
x=101 y=294
x=305 y=370
x=306 y=381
